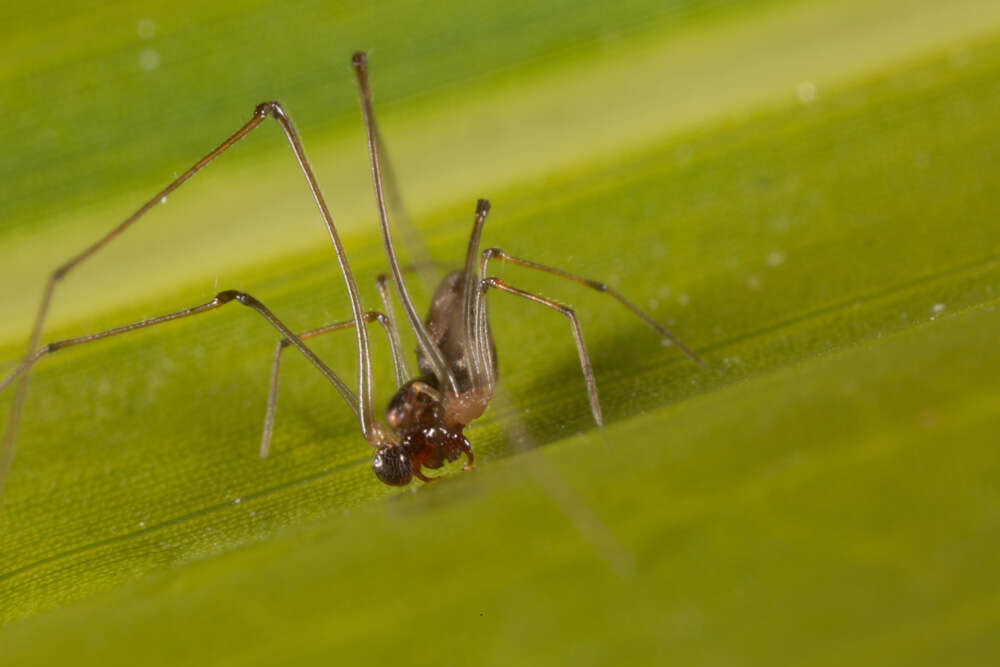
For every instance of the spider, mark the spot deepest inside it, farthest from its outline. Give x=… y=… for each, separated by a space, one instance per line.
x=425 y=420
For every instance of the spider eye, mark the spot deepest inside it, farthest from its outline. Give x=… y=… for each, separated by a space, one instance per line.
x=392 y=466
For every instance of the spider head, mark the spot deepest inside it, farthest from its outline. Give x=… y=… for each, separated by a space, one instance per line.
x=392 y=465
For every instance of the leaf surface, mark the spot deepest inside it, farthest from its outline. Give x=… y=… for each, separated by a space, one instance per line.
x=822 y=490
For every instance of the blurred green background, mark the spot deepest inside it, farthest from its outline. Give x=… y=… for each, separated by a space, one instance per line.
x=805 y=192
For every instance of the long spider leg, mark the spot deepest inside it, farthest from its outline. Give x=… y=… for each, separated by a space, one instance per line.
x=581 y=348
x=399 y=366
x=481 y=338
x=430 y=350
x=497 y=253
x=272 y=394
x=20 y=393
x=470 y=278
x=221 y=299
x=366 y=402
x=421 y=260
x=365 y=406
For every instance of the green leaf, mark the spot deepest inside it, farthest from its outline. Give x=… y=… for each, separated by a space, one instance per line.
x=814 y=212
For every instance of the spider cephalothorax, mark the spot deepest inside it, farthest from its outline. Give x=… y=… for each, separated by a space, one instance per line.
x=425 y=437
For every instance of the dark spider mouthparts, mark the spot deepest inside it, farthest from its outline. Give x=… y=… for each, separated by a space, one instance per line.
x=426 y=418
